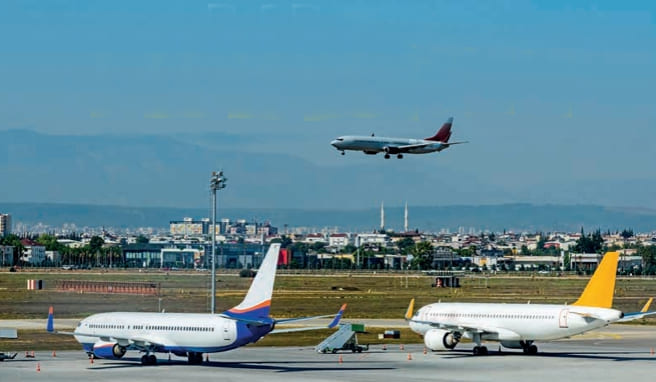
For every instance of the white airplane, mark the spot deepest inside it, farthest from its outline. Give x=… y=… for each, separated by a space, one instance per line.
x=111 y=335
x=373 y=145
x=517 y=326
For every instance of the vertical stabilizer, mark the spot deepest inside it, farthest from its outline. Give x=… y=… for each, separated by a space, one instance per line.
x=601 y=287
x=444 y=133
x=257 y=302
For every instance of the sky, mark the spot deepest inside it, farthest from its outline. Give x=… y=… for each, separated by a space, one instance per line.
x=546 y=92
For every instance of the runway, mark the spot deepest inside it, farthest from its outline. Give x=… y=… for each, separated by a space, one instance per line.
x=616 y=353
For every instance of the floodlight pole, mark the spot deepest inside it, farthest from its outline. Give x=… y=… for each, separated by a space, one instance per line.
x=217 y=182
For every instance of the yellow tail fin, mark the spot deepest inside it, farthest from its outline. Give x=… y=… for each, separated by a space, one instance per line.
x=411 y=307
x=646 y=307
x=601 y=287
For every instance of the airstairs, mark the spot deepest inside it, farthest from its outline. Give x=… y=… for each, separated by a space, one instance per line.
x=343 y=339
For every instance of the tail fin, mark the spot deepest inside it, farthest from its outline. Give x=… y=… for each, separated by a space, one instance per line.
x=599 y=291
x=444 y=133
x=411 y=308
x=257 y=302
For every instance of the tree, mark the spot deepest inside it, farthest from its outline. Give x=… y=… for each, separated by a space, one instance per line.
x=626 y=233
x=284 y=241
x=422 y=254
x=95 y=244
x=405 y=244
x=648 y=254
x=141 y=239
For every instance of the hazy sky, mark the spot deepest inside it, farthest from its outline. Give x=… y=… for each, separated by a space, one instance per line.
x=545 y=90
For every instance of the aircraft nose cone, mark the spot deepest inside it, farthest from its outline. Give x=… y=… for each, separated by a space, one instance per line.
x=334 y=143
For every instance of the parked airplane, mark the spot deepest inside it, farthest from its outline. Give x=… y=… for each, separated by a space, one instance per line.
x=110 y=335
x=517 y=326
x=397 y=146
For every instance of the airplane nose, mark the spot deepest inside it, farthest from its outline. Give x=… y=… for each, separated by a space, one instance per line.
x=334 y=143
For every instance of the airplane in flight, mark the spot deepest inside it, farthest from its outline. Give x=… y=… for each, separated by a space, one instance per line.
x=518 y=326
x=373 y=145
x=111 y=335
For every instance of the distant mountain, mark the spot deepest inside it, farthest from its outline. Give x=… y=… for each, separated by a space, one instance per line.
x=516 y=217
x=268 y=175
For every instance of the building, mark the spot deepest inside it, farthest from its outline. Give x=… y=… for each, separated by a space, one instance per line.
x=189 y=227
x=5 y=224
x=180 y=257
x=6 y=255
x=380 y=239
x=338 y=240
x=35 y=253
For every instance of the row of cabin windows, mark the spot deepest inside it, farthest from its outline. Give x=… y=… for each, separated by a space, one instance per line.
x=493 y=315
x=154 y=327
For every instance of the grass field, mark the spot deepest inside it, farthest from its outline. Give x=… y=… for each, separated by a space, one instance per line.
x=368 y=296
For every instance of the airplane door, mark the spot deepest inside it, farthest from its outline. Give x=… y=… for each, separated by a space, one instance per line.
x=562 y=318
x=227 y=330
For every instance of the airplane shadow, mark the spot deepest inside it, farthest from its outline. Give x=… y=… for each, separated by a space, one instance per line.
x=279 y=366
x=598 y=355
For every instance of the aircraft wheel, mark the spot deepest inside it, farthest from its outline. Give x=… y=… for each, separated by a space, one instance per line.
x=400 y=156
x=480 y=350
x=144 y=360
x=152 y=360
x=343 y=153
x=532 y=350
x=387 y=156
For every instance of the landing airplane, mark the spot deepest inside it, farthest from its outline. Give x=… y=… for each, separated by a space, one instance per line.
x=397 y=146
x=111 y=335
x=517 y=326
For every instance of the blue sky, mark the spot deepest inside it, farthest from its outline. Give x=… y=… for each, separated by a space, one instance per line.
x=546 y=91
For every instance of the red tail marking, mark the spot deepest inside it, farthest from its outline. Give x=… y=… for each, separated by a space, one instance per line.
x=444 y=133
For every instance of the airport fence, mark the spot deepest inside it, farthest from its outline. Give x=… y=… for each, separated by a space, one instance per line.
x=105 y=287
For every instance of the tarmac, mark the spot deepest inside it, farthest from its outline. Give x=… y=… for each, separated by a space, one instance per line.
x=615 y=353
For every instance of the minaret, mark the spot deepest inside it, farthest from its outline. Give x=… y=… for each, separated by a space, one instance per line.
x=382 y=216
x=405 y=218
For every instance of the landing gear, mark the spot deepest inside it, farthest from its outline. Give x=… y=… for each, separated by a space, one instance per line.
x=194 y=358
x=148 y=359
x=480 y=350
x=400 y=156
x=343 y=153
x=387 y=156
x=531 y=350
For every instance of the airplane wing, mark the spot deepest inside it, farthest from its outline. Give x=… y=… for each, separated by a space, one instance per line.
x=333 y=323
x=462 y=326
x=636 y=315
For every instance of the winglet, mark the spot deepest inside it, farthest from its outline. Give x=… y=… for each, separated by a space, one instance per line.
x=337 y=317
x=411 y=307
x=601 y=287
x=646 y=307
x=50 y=326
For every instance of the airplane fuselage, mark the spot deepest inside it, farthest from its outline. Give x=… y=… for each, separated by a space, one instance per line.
x=515 y=322
x=172 y=332
x=373 y=145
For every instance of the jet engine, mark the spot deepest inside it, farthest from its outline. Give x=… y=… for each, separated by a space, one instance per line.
x=438 y=339
x=109 y=350
x=391 y=150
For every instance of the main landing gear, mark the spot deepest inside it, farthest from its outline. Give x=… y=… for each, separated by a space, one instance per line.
x=343 y=153
x=387 y=156
x=194 y=358
x=400 y=156
x=529 y=348
x=148 y=359
x=480 y=350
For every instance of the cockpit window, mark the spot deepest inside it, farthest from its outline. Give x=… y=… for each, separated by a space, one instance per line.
x=79 y=324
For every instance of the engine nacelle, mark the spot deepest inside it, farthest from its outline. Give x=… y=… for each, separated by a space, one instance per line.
x=438 y=339
x=391 y=150
x=516 y=344
x=109 y=350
